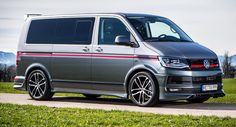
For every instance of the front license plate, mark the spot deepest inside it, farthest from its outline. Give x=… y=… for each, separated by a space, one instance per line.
x=209 y=87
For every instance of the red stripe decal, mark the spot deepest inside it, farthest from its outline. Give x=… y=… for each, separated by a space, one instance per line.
x=89 y=55
x=202 y=66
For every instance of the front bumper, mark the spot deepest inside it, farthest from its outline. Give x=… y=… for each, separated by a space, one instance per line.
x=183 y=85
x=19 y=83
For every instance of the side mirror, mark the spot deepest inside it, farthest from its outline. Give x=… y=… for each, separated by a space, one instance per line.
x=122 y=40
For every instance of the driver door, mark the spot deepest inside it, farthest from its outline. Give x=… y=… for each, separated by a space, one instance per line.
x=111 y=62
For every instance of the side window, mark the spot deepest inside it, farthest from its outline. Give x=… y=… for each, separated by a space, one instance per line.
x=109 y=28
x=74 y=31
x=64 y=31
x=41 y=31
x=84 y=31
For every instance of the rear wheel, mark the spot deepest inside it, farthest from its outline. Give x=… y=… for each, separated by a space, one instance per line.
x=91 y=95
x=143 y=89
x=198 y=100
x=38 y=86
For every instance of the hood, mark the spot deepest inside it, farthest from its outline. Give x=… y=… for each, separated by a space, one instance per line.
x=182 y=49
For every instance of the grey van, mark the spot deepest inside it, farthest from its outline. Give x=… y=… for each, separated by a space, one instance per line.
x=145 y=58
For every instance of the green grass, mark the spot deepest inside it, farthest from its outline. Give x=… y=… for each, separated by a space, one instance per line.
x=7 y=87
x=229 y=88
x=230 y=91
x=26 y=115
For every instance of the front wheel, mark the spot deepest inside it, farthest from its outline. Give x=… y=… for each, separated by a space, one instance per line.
x=38 y=86
x=143 y=89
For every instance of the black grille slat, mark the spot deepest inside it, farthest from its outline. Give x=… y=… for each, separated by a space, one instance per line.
x=207 y=80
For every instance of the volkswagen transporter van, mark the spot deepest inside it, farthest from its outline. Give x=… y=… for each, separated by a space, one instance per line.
x=145 y=58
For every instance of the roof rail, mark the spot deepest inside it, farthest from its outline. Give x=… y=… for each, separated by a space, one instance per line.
x=30 y=15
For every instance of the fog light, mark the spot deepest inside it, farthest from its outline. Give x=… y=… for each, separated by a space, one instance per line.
x=173 y=90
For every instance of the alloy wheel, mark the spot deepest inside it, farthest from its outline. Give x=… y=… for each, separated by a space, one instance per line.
x=37 y=84
x=142 y=89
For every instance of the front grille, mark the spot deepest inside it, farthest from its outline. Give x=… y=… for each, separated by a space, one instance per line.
x=207 y=79
x=198 y=64
x=195 y=80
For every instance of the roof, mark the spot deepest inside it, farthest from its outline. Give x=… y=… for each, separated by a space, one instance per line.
x=117 y=13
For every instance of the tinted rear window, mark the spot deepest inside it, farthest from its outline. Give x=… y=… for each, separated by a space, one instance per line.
x=61 y=31
x=41 y=31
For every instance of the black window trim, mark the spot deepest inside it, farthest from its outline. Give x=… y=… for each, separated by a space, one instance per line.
x=107 y=17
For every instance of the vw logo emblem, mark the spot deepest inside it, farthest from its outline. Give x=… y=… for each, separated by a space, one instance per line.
x=206 y=64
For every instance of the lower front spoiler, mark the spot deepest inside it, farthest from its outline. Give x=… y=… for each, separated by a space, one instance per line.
x=211 y=94
x=19 y=83
x=167 y=96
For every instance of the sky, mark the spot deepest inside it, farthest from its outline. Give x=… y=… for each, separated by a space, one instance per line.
x=211 y=23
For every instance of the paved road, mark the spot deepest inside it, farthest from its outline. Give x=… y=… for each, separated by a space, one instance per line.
x=173 y=108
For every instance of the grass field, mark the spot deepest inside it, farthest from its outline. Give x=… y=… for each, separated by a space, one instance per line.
x=27 y=115
x=229 y=88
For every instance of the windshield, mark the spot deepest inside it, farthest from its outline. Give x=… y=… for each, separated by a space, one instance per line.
x=157 y=29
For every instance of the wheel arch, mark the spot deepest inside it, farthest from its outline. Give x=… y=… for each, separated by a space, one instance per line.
x=137 y=69
x=39 y=66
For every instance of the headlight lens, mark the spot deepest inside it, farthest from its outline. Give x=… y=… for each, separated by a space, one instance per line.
x=173 y=62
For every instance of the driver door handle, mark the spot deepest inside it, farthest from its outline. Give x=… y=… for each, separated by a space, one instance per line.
x=85 y=49
x=99 y=49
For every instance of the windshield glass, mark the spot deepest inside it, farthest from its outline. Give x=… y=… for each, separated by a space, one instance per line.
x=157 y=29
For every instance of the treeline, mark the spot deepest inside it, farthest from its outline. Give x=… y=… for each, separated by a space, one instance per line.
x=7 y=73
x=228 y=69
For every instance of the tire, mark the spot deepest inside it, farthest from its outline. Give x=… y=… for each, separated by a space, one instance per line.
x=143 y=89
x=91 y=95
x=38 y=86
x=198 y=100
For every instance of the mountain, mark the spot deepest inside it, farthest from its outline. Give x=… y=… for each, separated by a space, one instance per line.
x=233 y=60
x=7 y=59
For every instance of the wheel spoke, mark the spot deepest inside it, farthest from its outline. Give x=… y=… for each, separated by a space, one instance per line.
x=144 y=82
x=143 y=97
x=42 y=84
x=135 y=89
x=32 y=82
x=136 y=93
x=140 y=83
x=147 y=84
x=32 y=85
x=137 y=83
x=140 y=96
x=147 y=90
x=147 y=95
x=40 y=91
x=34 y=91
x=41 y=80
x=35 y=78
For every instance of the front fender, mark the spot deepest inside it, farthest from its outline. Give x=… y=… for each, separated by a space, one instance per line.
x=137 y=68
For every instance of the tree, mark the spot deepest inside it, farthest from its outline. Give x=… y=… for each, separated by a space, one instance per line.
x=227 y=68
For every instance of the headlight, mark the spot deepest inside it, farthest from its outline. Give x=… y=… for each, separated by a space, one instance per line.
x=173 y=62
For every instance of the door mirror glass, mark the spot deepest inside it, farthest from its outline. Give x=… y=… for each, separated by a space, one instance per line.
x=122 y=40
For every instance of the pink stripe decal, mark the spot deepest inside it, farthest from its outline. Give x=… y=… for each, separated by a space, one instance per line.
x=88 y=55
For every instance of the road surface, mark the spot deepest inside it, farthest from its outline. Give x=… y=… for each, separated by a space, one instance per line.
x=170 y=108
